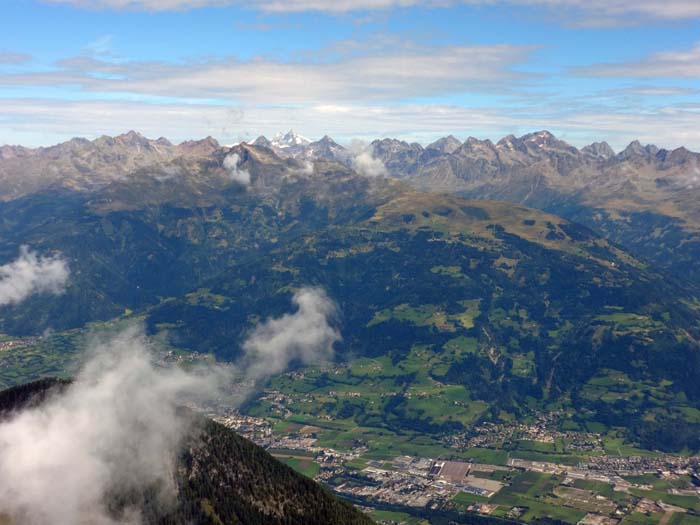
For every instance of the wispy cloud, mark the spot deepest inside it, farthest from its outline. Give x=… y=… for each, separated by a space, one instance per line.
x=615 y=12
x=35 y=121
x=653 y=91
x=663 y=64
x=100 y=47
x=12 y=58
x=30 y=274
x=391 y=75
x=585 y=12
x=339 y=6
x=601 y=10
x=143 y=5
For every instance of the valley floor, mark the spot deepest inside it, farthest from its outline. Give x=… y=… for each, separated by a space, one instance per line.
x=589 y=488
x=542 y=469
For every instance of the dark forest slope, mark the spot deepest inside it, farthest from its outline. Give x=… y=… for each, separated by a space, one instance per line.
x=222 y=478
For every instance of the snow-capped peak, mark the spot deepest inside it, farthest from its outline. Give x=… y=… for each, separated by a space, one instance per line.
x=290 y=139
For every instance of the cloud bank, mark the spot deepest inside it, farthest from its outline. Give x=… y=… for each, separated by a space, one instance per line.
x=236 y=174
x=668 y=125
x=30 y=274
x=115 y=428
x=394 y=70
x=305 y=336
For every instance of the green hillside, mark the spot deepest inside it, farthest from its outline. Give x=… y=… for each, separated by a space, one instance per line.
x=491 y=309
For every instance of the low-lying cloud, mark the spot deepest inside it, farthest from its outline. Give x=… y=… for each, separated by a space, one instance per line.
x=364 y=162
x=236 y=174
x=30 y=274
x=115 y=429
x=307 y=167
x=305 y=336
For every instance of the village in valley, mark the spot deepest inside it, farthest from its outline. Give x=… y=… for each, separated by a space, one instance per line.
x=532 y=471
x=604 y=490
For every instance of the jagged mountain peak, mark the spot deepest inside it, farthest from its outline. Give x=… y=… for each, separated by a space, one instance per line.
x=326 y=139
x=636 y=150
x=539 y=135
x=263 y=141
x=545 y=140
x=289 y=139
x=598 y=151
x=203 y=147
x=131 y=135
x=512 y=143
x=448 y=144
x=471 y=141
x=541 y=138
x=395 y=144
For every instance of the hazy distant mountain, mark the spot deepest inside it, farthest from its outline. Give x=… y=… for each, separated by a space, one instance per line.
x=289 y=144
x=643 y=197
x=294 y=145
x=598 y=151
x=328 y=149
x=538 y=305
x=445 y=145
x=397 y=156
x=288 y=140
x=82 y=164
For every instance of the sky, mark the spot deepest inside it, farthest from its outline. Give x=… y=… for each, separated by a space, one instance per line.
x=586 y=70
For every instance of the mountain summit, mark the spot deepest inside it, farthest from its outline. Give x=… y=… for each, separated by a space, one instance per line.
x=291 y=139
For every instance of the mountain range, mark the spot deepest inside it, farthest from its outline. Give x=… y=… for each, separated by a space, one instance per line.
x=642 y=197
x=521 y=275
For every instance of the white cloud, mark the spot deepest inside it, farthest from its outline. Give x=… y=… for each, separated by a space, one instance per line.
x=393 y=74
x=116 y=428
x=306 y=336
x=44 y=122
x=368 y=165
x=307 y=167
x=602 y=10
x=100 y=47
x=236 y=174
x=664 y=64
x=594 y=12
x=364 y=162
x=616 y=12
x=30 y=274
x=143 y=5
x=339 y=6
x=11 y=58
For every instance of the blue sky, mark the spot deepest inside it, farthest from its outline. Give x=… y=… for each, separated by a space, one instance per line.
x=614 y=70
